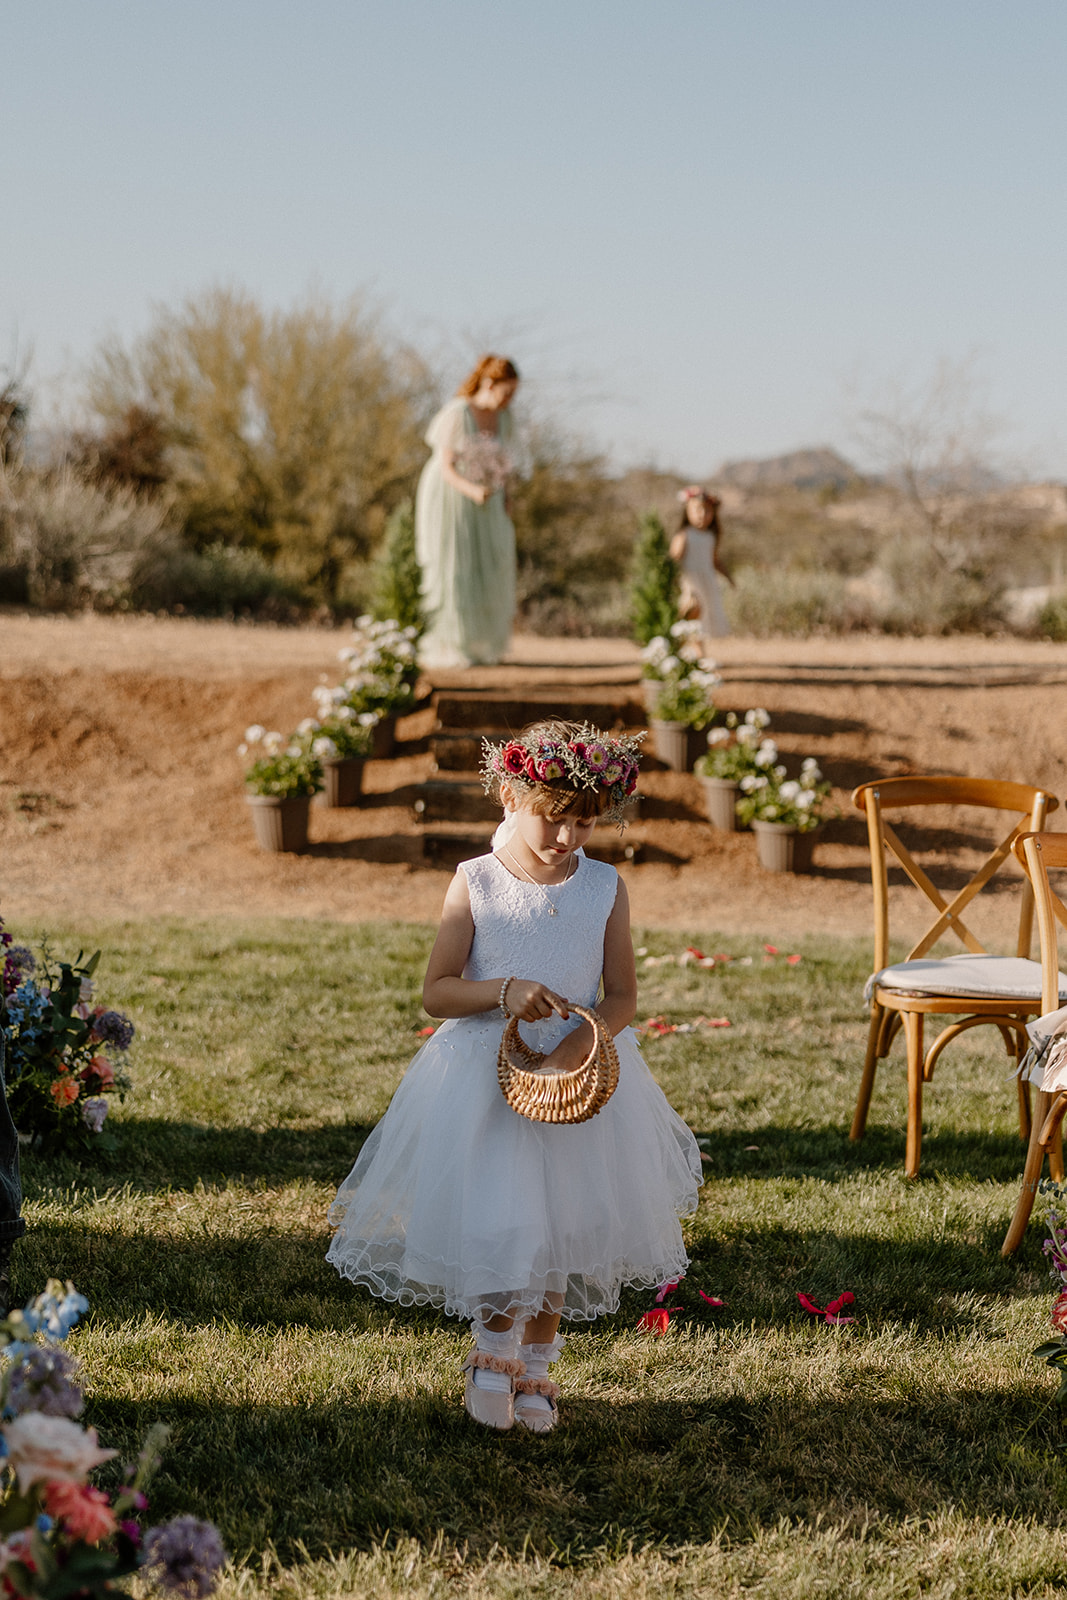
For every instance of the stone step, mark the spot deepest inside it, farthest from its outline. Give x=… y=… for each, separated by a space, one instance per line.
x=495 y=713
x=449 y=844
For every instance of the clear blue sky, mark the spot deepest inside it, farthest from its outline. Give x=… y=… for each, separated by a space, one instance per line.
x=690 y=223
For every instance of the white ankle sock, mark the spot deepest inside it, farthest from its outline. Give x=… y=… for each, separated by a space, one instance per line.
x=538 y=1358
x=502 y=1346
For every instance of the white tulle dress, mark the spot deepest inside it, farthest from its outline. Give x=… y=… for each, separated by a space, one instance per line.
x=458 y=1202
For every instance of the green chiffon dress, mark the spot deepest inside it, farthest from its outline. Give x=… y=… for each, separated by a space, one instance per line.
x=466 y=552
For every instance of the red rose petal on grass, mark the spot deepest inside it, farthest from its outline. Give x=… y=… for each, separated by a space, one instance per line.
x=691 y=950
x=665 y=1289
x=792 y=961
x=809 y=1305
x=832 y=1312
x=710 y=1298
x=655 y=1322
x=424 y=1033
x=771 y=949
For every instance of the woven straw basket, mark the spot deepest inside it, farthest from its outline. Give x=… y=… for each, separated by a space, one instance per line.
x=558 y=1096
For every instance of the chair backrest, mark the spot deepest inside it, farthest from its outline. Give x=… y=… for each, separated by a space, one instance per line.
x=1040 y=854
x=1030 y=805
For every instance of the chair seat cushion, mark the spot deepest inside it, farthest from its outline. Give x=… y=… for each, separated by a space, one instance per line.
x=981 y=976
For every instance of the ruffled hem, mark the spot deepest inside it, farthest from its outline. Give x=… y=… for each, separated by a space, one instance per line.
x=400 y=1291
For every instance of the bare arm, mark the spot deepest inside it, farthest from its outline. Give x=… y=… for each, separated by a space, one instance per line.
x=677 y=547
x=474 y=491
x=619 y=1004
x=447 y=993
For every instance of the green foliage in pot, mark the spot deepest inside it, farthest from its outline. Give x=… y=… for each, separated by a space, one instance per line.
x=770 y=796
x=283 y=768
x=735 y=751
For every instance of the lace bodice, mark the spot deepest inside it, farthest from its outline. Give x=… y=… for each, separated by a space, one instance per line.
x=514 y=932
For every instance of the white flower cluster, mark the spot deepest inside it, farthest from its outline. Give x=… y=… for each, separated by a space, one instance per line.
x=679 y=657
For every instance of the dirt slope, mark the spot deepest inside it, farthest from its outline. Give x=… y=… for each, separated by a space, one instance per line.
x=120 y=790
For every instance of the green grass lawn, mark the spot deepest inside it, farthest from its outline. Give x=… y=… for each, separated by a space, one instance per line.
x=749 y=1452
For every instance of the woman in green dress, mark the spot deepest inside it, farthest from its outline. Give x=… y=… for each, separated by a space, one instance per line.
x=464 y=538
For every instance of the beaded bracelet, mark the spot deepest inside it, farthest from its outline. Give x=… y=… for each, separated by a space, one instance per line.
x=502 y=1002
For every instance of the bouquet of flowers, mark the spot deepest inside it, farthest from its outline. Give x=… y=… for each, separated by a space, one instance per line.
x=685 y=678
x=63 y=1053
x=59 y=1535
x=380 y=670
x=769 y=796
x=739 y=749
x=285 y=768
x=483 y=460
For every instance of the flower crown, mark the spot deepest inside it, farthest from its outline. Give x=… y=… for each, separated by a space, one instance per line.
x=606 y=763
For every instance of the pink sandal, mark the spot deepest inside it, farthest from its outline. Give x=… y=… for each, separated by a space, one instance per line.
x=493 y=1408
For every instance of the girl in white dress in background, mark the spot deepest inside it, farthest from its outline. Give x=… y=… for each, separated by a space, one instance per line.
x=456 y=1200
x=695 y=547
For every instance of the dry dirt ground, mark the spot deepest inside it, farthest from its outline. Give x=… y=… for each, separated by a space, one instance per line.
x=120 y=790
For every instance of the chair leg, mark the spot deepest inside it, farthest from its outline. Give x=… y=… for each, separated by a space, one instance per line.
x=913 y=1036
x=1035 y=1160
x=870 y=1067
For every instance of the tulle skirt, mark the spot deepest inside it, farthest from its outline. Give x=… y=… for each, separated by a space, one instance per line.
x=458 y=1202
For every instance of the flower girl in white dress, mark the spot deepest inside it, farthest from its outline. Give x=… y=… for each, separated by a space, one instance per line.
x=456 y=1200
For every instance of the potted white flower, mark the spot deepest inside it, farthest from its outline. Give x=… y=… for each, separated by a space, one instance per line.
x=280 y=781
x=342 y=740
x=732 y=755
x=679 y=683
x=380 y=671
x=784 y=814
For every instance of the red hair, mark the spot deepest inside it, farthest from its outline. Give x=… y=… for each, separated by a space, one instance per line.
x=495 y=369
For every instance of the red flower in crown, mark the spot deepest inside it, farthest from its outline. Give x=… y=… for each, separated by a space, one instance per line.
x=580 y=750
x=513 y=759
x=531 y=771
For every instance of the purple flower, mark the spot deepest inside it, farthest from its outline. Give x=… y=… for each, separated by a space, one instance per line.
x=43 y=1380
x=94 y=1112
x=112 y=1028
x=184 y=1556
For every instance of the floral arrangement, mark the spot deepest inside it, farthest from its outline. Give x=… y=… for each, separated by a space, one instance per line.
x=1054 y=1351
x=380 y=670
x=739 y=749
x=483 y=460
x=685 y=678
x=62 y=1052
x=769 y=796
x=285 y=768
x=61 y=1536
x=591 y=760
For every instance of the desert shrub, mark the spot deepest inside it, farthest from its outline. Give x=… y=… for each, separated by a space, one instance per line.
x=934 y=595
x=653 y=582
x=795 y=601
x=572 y=535
x=68 y=543
x=1052 y=618
x=132 y=452
x=396 y=579
x=217 y=582
x=289 y=432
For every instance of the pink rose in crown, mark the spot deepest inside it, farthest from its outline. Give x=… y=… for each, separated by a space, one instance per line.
x=513 y=759
x=45 y=1449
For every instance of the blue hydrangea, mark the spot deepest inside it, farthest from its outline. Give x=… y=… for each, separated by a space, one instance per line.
x=54 y=1314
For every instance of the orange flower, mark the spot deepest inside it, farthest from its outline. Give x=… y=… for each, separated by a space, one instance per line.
x=84 y=1512
x=64 y=1091
x=101 y=1069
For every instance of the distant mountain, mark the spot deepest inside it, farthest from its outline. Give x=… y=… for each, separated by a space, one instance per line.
x=800 y=469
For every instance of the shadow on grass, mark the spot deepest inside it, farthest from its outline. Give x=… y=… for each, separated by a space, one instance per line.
x=346 y=1472
x=826 y=1152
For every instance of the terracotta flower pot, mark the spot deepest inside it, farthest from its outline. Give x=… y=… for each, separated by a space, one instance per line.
x=677 y=744
x=720 y=800
x=280 y=824
x=782 y=848
x=343 y=780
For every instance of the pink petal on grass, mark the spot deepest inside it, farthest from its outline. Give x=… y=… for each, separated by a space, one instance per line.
x=710 y=1298
x=792 y=961
x=771 y=949
x=665 y=1289
x=424 y=1033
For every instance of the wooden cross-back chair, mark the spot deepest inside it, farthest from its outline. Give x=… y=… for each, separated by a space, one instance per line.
x=975 y=987
x=1040 y=854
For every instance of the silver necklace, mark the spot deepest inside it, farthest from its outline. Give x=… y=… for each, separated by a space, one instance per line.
x=544 y=891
